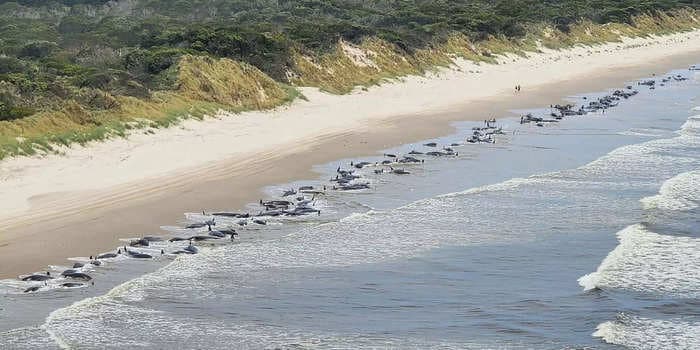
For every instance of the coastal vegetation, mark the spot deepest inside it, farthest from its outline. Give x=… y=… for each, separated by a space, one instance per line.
x=73 y=71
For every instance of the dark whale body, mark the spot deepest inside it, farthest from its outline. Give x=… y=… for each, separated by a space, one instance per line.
x=78 y=276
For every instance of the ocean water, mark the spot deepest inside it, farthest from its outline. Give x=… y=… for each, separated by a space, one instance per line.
x=578 y=235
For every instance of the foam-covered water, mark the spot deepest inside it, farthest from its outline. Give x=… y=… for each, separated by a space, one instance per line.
x=657 y=260
x=649 y=262
x=480 y=251
x=650 y=334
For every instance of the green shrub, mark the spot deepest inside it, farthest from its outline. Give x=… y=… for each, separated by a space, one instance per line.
x=38 y=49
x=8 y=112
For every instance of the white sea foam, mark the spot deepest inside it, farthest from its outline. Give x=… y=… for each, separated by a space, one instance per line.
x=28 y=338
x=648 y=262
x=679 y=193
x=651 y=334
x=691 y=127
x=126 y=326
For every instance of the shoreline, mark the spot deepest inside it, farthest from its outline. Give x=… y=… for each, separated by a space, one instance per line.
x=82 y=203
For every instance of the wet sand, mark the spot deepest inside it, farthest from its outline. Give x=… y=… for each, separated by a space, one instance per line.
x=82 y=223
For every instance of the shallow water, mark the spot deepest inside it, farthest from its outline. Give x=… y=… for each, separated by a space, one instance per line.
x=582 y=234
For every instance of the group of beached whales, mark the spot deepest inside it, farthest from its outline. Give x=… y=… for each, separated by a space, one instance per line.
x=302 y=201
x=599 y=105
x=292 y=203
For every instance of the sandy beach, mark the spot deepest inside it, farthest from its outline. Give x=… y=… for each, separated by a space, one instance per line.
x=81 y=202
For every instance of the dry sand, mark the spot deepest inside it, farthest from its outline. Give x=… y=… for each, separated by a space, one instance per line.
x=81 y=202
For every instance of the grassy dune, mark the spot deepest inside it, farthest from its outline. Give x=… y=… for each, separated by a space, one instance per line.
x=205 y=84
x=338 y=73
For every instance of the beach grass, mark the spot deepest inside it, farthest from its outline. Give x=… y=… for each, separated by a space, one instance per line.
x=337 y=72
x=205 y=86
